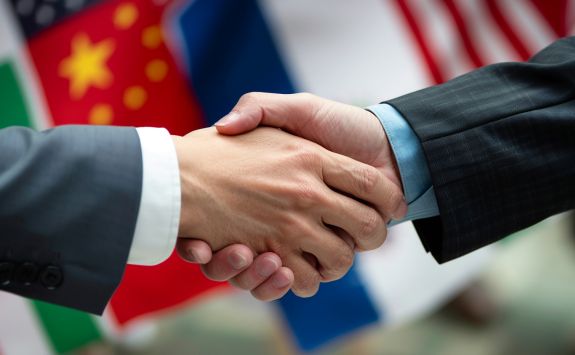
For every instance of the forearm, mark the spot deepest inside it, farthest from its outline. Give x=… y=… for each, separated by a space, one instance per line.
x=70 y=199
x=498 y=143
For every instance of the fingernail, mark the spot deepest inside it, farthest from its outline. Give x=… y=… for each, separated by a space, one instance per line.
x=280 y=281
x=401 y=210
x=227 y=119
x=192 y=255
x=237 y=261
x=267 y=268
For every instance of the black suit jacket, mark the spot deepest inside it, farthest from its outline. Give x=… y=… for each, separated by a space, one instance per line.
x=500 y=145
x=69 y=200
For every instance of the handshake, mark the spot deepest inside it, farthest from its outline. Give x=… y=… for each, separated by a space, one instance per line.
x=286 y=206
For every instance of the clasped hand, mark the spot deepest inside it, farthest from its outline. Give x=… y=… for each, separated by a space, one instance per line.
x=305 y=197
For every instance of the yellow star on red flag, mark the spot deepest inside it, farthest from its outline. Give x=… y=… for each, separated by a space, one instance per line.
x=86 y=66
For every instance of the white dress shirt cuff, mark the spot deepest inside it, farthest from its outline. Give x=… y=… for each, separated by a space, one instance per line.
x=159 y=216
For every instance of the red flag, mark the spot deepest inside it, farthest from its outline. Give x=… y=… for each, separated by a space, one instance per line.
x=110 y=64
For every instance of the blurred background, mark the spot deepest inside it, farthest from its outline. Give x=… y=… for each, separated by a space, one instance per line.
x=182 y=65
x=529 y=282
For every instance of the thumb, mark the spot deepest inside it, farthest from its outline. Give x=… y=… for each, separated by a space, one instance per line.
x=275 y=110
x=238 y=122
x=194 y=250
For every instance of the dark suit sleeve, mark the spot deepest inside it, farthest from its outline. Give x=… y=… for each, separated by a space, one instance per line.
x=500 y=145
x=69 y=200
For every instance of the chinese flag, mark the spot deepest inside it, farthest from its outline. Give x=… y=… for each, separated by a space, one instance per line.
x=110 y=64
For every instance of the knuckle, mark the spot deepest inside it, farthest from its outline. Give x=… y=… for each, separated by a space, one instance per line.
x=306 y=156
x=367 y=179
x=310 y=103
x=250 y=97
x=342 y=263
x=306 y=197
x=370 y=224
x=373 y=232
x=289 y=233
x=273 y=243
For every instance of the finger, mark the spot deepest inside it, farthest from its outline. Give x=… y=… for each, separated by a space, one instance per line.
x=276 y=110
x=228 y=262
x=364 y=182
x=276 y=286
x=344 y=236
x=194 y=250
x=262 y=268
x=334 y=256
x=306 y=278
x=364 y=224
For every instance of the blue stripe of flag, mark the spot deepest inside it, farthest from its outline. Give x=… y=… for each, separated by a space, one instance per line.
x=229 y=51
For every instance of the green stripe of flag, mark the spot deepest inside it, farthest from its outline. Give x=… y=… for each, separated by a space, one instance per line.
x=66 y=329
x=13 y=110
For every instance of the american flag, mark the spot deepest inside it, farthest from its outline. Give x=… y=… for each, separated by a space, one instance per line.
x=457 y=36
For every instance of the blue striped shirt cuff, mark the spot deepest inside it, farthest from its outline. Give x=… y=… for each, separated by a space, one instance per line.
x=415 y=177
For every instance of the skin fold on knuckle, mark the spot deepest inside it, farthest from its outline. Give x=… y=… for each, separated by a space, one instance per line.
x=371 y=228
x=307 y=196
x=339 y=266
x=291 y=227
x=370 y=223
x=306 y=157
x=366 y=180
x=249 y=98
x=373 y=242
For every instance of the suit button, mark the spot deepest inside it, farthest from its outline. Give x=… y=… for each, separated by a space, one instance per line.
x=26 y=273
x=6 y=273
x=51 y=277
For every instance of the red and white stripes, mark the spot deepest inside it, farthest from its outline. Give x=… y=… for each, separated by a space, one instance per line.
x=455 y=36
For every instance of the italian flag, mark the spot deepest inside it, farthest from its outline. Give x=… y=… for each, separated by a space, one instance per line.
x=32 y=327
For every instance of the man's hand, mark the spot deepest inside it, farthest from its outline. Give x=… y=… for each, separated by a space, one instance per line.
x=263 y=275
x=341 y=128
x=272 y=191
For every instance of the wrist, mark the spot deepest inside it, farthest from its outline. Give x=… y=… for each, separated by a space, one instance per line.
x=385 y=156
x=407 y=158
x=185 y=227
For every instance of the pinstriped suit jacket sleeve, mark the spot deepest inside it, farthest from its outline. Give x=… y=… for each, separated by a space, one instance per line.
x=500 y=146
x=69 y=200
